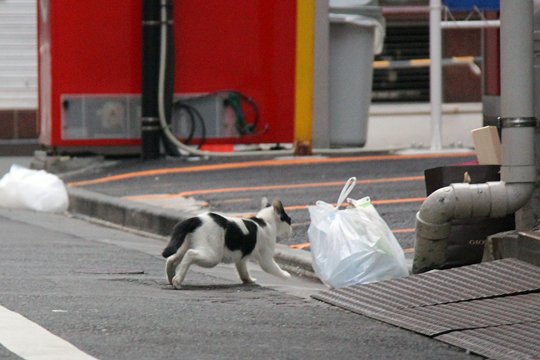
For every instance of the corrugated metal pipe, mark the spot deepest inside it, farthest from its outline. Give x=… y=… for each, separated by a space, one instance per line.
x=518 y=171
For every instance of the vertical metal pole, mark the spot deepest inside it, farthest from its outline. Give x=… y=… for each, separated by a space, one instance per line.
x=435 y=73
x=517 y=56
x=517 y=101
x=150 y=128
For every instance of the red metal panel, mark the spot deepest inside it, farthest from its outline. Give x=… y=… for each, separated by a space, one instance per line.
x=245 y=45
x=95 y=48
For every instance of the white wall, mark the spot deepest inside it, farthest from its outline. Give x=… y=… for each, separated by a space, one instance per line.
x=404 y=126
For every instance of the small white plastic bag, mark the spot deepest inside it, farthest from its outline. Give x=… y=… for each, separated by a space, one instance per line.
x=38 y=190
x=353 y=245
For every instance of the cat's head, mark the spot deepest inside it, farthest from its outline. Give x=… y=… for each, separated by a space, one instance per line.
x=282 y=220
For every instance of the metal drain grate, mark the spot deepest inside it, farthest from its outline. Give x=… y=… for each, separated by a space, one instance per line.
x=496 y=278
x=492 y=309
x=438 y=319
x=511 y=342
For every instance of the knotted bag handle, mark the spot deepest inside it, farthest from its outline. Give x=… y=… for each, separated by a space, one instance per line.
x=349 y=186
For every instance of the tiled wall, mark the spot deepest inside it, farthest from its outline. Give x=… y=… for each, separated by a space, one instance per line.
x=18 y=124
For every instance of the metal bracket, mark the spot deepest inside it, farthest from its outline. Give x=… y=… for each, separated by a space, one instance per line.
x=517 y=122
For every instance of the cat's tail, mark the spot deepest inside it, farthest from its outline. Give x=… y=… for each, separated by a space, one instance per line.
x=181 y=230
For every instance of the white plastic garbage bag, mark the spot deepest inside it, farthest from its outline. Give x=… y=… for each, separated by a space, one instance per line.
x=353 y=245
x=38 y=190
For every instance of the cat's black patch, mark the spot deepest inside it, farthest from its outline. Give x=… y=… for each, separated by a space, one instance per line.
x=243 y=242
x=285 y=218
x=259 y=221
x=235 y=239
x=220 y=220
x=179 y=234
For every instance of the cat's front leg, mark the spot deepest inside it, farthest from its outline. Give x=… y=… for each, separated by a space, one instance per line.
x=269 y=265
x=241 y=267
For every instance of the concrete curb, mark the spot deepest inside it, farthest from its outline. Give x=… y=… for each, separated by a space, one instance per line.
x=160 y=221
x=122 y=212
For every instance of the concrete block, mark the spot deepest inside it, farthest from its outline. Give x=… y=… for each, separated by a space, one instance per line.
x=524 y=246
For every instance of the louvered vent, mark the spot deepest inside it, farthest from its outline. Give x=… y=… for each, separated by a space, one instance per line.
x=403 y=42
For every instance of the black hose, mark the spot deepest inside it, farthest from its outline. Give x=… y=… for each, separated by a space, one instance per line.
x=203 y=127
x=190 y=116
x=195 y=118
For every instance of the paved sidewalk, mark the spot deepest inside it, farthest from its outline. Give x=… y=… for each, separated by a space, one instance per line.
x=105 y=292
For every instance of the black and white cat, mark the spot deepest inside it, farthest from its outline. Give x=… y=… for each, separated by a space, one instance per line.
x=211 y=238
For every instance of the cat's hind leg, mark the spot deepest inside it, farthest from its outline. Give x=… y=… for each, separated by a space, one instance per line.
x=241 y=267
x=201 y=257
x=170 y=266
x=173 y=261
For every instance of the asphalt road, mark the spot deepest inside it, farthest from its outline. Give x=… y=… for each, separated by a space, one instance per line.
x=104 y=292
x=394 y=183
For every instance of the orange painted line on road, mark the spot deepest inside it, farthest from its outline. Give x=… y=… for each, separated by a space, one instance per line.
x=270 y=187
x=300 y=246
x=374 y=202
x=403 y=231
x=398 y=201
x=263 y=163
x=304 y=246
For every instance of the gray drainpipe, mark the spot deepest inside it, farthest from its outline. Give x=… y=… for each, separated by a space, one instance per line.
x=518 y=171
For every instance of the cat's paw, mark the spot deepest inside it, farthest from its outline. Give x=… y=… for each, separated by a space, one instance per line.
x=249 y=280
x=170 y=271
x=176 y=283
x=285 y=274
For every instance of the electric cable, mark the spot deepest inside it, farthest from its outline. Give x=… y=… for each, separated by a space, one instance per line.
x=194 y=117
x=235 y=100
x=185 y=120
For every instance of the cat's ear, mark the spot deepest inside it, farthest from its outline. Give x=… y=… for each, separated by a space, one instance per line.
x=278 y=207
x=280 y=211
x=265 y=203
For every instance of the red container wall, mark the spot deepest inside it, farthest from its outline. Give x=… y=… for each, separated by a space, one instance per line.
x=244 y=45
